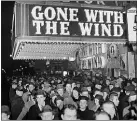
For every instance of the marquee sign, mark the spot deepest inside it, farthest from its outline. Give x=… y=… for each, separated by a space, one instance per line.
x=45 y=20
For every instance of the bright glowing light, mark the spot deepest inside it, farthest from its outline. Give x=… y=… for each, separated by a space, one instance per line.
x=64 y=73
x=71 y=58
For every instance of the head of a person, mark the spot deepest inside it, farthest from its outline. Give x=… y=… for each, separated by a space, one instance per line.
x=68 y=87
x=69 y=112
x=41 y=86
x=20 y=82
x=89 y=88
x=117 y=90
x=75 y=93
x=78 y=84
x=60 y=90
x=114 y=98
x=14 y=84
x=109 y=107
x=59 y=101
x=107 y=82
x=105 y=93
x=19 y=91
x=129 y=89
x=73 y=84
x=47 y=88
x=53 y=97
x=132 y=96
x=32 y=80
x=47 y=113
x=40 y=97
x=97 y=91
x=84 y=92
x=31 y=86
x=102 y=115
x=83 y=102
x=98 y=100
x=5 y=112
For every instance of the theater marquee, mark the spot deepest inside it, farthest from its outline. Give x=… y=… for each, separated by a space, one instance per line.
x=56 y=30
x=45 y=20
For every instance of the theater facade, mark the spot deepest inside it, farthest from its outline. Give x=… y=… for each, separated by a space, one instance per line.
x=93 y=36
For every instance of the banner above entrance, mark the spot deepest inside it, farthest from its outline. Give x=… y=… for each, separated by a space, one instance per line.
x=45 y=20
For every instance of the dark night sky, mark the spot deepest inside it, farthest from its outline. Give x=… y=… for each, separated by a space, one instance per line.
x=6 y=25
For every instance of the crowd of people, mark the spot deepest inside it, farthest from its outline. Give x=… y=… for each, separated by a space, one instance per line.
x=71 y=98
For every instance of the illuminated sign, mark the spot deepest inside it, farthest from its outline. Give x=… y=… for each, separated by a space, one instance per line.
x=94 y=62
x=92 y=56
x=47 y=20
x=93 y=49
x=131 y=14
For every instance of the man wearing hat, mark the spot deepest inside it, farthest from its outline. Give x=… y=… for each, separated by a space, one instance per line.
x=117 y=90
x=129 y=88
x=35 y=110
x=83 y=112
x=124 y=99
x=47 y=113
x=5 y=112
x=78 y=84
x=29 y=101
x=130 y=112
x=17 y=103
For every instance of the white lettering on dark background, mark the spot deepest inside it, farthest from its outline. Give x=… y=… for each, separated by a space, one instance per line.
x=96 y=23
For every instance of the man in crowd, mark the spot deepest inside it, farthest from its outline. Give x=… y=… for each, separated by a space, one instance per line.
x=114 y=98
x=47 y=113
x=130 y=112
x=60 y=90
x=124 y=99
x=85 y=92
x=109 y=107
x=17 y=103
x=83 y=112
x=35 y=110
x=5 y=112
x=102 y=116
x=69 y=112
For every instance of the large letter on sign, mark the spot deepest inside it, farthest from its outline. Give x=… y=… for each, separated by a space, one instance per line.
x=33 y=12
